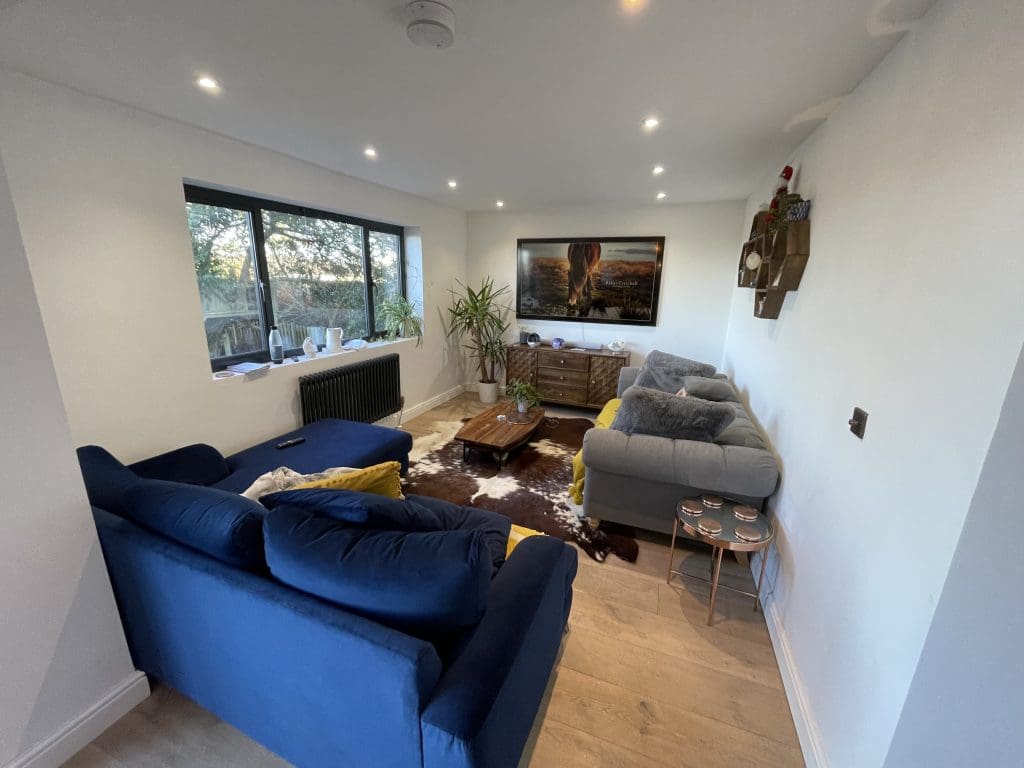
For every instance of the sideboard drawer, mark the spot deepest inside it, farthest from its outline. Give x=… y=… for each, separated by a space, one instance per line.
x=574 y=361
x=562 y=376
x=562 y=393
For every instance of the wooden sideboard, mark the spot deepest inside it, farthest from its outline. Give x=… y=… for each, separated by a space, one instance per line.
x=582 y=378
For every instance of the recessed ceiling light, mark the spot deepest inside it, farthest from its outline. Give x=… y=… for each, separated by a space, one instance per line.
x=370 y=152
x=658 y=170
x=661 y=195
x=453 y=183
x=650 y=123
x=208 y=83
x=500 y=203
x=632 y=6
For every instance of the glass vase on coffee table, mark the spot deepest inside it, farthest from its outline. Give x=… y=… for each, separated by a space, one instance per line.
x=724 y=524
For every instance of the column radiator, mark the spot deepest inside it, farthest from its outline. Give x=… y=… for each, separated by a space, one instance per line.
x=368 y=391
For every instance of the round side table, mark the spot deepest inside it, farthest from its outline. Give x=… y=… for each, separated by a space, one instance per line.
x=717 y=521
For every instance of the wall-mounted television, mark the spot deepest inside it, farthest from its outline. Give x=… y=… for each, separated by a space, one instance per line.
x=590 y=280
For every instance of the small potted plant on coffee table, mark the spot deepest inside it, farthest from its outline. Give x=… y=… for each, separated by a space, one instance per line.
x=523 y=394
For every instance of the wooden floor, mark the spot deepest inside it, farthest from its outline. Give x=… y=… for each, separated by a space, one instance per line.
x=641 y=680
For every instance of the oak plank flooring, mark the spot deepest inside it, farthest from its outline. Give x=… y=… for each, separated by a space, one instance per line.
x=641 y=681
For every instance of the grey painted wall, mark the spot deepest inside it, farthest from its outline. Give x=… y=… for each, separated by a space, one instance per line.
x=966 y=701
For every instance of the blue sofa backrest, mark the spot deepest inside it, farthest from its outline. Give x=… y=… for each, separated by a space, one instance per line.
x=315 y=684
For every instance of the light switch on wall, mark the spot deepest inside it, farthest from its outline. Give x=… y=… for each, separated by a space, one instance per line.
x=858 y=422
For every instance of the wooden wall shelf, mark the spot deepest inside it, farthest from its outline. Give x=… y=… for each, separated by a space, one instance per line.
x=784 y=257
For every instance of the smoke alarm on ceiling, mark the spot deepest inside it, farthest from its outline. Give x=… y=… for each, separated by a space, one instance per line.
x=430 y=24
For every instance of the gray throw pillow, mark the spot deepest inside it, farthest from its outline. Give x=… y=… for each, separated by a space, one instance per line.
x=715 y=390
x=666 y=372
x=650 y=412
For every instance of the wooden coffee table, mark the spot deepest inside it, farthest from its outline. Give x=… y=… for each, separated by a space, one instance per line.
x=499 y=436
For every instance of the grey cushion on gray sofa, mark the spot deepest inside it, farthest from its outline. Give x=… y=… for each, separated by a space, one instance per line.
x=666 y=372
x=741 y=432
x=650 y=412
x=715 y=390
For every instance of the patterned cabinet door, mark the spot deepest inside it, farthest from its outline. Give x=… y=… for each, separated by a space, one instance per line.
x=521 y=364
x=604 y=379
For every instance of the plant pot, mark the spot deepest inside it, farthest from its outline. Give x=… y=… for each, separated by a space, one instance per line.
x=488 y=392
x=522 y=406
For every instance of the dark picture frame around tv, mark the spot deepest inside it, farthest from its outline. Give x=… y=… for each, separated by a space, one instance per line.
x=613 y=280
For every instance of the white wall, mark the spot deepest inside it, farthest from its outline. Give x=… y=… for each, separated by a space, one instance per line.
x=64 y=664
x=966 y=702
x=98 y=192
x=699 y=263
x=911 y=308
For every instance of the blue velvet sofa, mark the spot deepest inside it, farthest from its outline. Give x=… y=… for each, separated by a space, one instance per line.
x=316 y=683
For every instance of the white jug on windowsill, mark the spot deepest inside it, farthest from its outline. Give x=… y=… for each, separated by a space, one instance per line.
x=334 y=336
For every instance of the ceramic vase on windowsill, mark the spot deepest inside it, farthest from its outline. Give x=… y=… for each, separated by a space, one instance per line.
x=334 y=339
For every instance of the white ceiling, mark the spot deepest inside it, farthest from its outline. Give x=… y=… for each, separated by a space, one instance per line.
x=539 y=102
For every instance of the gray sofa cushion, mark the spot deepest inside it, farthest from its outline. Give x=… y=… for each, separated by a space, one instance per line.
x=741 y=432
x=715 y=390
x=666 y=372
x=650 y=412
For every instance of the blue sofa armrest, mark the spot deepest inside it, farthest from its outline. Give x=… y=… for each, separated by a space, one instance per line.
x=318 y=685
x=197 y=464
x=484 y=706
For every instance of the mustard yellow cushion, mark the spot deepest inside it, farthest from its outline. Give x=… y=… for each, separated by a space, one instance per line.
x=603 y=421
x=383 y=479
x=516 y=534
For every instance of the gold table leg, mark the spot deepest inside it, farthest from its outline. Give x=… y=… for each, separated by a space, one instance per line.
x=717 y=557
x=672 y=549
x=757 y=591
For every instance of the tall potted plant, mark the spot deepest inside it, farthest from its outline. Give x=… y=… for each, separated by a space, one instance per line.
x=477 y=316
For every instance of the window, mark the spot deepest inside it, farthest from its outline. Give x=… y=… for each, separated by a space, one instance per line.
x=260 y=263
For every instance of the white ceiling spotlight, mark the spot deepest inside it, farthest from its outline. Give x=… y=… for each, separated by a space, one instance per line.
x=430 y=24
x=658 y=170
x=371 y=153
x=500 y=203
x=661 y=195
x=452 y=183
x=650 y=123
x=208 y=83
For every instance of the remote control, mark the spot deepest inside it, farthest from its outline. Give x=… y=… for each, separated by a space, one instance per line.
x=290 y=443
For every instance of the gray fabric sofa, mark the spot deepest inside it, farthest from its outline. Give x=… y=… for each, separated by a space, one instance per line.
x=638 y=479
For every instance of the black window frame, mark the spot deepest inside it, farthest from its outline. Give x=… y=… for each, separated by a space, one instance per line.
x=255 y=206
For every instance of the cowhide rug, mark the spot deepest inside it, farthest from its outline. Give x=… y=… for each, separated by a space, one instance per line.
x=531 y=489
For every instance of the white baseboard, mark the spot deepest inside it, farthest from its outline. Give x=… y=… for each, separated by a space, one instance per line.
x=803 y=718
x=426 y=405
x=78 y=732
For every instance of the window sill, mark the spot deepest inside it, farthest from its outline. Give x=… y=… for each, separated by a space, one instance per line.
x=303 y=361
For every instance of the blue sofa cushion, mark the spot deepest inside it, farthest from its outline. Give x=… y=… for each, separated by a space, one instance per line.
x=329 y=443
x=106 y=478
x=416 y=513
x=223 y=525
x=197 y=464
x=423 y=583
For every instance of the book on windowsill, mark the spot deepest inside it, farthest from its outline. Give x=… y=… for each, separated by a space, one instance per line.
x=250 y=369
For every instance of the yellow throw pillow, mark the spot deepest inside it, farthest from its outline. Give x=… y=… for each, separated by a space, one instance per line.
x=516 y=534
x=383 y=479
x=603 y=421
